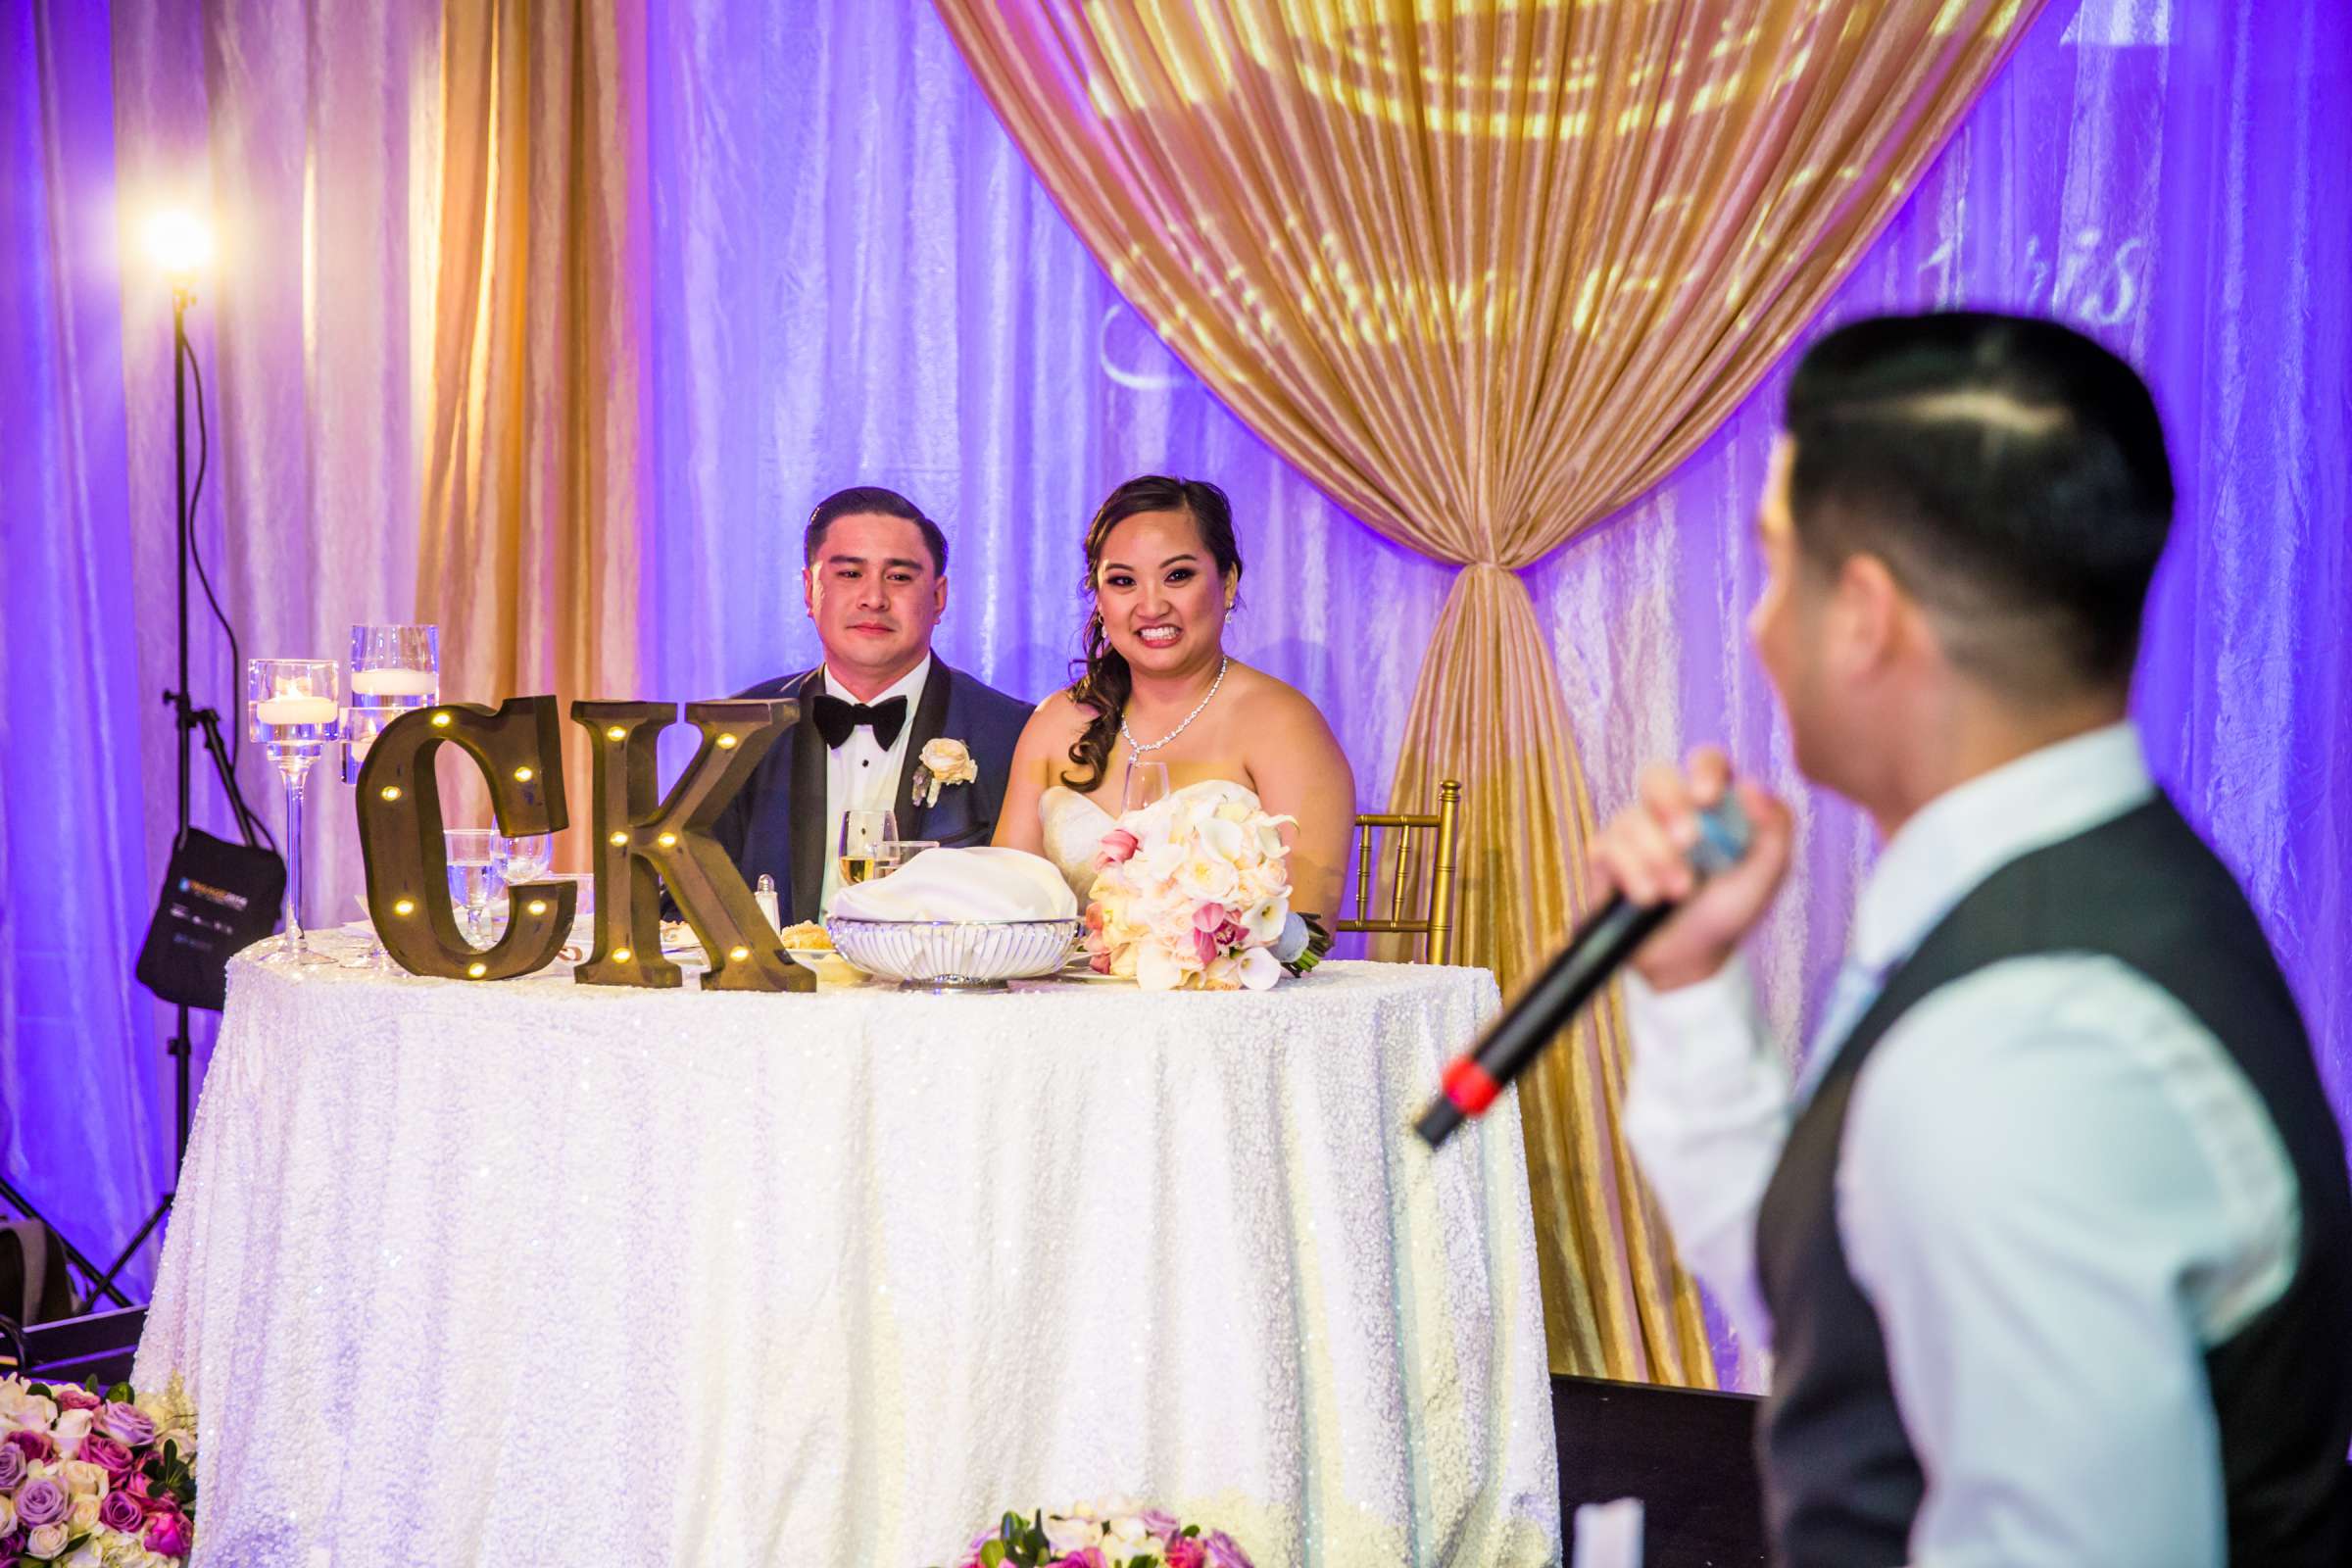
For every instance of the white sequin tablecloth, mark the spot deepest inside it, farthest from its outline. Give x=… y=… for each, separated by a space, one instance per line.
x=543 y=1273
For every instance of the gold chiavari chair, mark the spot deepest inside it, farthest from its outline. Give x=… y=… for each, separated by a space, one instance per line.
x=1435 y=921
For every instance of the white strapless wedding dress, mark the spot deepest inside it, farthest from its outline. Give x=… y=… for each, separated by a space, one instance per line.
x=1074 y=824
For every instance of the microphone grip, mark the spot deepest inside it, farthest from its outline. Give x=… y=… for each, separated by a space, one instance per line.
x=1476 y=1077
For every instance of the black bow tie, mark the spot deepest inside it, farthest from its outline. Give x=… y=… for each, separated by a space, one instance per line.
x=836 y=719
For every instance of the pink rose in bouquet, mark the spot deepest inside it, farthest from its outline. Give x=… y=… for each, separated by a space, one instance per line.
x=120 y=1512
x=108 y=1454
x=1118 y=847
x=168 y=1534
x=37 y=1447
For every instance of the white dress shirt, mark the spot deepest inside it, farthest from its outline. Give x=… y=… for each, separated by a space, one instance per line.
x=2055 y=1186
x=862 y=774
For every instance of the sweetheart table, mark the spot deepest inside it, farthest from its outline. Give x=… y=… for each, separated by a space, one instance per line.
x=535 y=1272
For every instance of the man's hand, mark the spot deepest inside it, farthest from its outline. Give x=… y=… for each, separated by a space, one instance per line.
x=1644 y=853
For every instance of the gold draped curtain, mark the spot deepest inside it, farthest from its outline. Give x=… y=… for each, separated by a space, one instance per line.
x=1484 y=273
x=534 y=474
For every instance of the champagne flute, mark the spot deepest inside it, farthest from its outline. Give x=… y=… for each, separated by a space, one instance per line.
x=294 y=711
x=862 y=832
x=473 y=875
x=1147 y=785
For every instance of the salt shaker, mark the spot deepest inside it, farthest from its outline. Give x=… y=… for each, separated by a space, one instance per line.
x=764 y=896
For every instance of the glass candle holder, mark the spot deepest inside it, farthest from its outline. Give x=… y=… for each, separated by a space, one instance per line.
x=394 y=669
x=294 y=711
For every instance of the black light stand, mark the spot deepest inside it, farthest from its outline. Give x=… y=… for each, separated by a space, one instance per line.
x=187 y=721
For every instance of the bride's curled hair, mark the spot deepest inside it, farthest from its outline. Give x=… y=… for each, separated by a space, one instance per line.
x=1105 y=682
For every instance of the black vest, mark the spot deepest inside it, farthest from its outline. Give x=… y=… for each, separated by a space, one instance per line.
x=1842 y=1483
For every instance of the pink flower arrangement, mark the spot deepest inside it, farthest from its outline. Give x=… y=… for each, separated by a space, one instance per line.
x=96 y=1478
x=1113 y=1533
x=1193 y=893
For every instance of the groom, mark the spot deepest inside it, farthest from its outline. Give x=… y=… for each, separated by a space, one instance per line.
x=875 y=582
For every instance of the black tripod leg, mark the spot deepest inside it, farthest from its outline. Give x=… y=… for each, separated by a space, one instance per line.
x=106 y=1282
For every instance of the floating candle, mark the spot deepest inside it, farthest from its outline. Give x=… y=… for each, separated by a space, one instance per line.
x=394 y=683
x=287 y=712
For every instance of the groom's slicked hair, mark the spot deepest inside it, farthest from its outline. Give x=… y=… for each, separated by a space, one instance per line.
x=2010 y=473
x=871 y=500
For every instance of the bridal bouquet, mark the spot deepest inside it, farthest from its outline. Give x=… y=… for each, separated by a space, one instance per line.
x=1191 y=893
x=1104 y=1535
x=92 y=1480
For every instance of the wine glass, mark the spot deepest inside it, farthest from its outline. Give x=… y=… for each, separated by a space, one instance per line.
x=376 y=959
x=293 y=709
x=520 y=860
x=1147 y=785
x=394 y=669
x=860 y=833
x=473 y=875
x=891 y=853
x=583 y=913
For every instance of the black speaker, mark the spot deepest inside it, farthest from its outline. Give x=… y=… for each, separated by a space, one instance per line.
x=218 y=898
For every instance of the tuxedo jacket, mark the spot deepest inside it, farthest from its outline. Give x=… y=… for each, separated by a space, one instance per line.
x=777 y=823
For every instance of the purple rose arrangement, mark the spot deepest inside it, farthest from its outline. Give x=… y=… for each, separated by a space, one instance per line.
x=112 y=1471
x=1102 y=1534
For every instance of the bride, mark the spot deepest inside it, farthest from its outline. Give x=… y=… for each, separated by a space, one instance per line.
x=1162 y=570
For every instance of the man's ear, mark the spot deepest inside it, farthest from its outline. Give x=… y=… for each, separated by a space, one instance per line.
x=812 y=587
x=939 y=596
x=1870 y=616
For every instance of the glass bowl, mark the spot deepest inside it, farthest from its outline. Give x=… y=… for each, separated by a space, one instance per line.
x=955 y=954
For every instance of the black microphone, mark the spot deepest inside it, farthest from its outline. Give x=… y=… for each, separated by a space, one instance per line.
x=1475 y=1077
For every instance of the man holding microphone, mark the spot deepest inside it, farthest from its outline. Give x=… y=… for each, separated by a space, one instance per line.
x=2051 y=1239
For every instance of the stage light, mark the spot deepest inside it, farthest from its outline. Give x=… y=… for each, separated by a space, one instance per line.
x=180 y=243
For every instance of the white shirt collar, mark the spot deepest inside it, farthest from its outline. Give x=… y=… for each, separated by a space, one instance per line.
x=908 y=686
x=1966 y=834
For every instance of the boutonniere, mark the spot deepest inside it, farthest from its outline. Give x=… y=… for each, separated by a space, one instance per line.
x=945 y=762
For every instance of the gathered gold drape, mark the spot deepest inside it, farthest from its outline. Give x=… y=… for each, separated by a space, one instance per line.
x=1483 y=274
x=534 y=479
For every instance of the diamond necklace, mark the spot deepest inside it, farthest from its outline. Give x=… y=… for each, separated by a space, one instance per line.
x=1138 y=748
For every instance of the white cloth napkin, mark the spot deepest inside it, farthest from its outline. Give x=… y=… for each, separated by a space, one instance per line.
x=981 y=884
